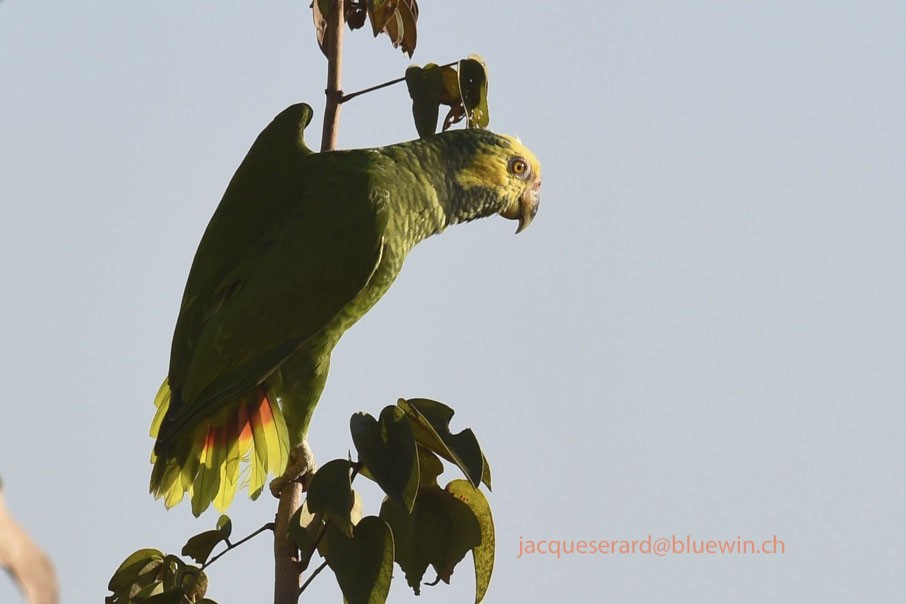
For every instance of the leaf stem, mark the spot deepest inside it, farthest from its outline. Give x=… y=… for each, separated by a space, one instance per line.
x=352 y=95
x=312 y=577
x=267 y=527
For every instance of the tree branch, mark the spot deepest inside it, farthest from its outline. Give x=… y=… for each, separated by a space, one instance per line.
x=334 y=92
x=29 y=567
x=288 y=571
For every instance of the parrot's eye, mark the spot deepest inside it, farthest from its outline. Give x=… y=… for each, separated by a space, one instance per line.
x=520 y=167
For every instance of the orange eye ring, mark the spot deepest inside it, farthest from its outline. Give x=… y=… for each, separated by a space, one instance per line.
x=520 y=167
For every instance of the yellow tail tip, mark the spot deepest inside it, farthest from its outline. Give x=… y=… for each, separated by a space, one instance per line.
x=238 y=446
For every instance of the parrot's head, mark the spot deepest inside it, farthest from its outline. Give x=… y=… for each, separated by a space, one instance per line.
x=522 y=183
x=501 y=172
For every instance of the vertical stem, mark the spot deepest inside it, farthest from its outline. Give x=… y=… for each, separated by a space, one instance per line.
x=335 y=25
x=288 y=569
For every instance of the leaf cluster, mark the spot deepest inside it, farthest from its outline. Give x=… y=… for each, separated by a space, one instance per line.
x=149 y=576
x=420 y=523
x=396 y=18
x=463 y=87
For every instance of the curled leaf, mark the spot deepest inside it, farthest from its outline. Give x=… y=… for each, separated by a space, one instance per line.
x=431 y=425
x=482 y=554
x=473 y=87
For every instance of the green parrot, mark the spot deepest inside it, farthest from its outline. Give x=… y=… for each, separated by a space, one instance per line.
x=301 y=246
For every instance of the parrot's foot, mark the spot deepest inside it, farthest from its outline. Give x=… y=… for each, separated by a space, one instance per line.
x=299 y=468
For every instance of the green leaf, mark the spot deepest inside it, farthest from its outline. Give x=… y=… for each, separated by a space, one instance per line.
x=145 y=593
x=330 y=493
x=406 y=552
x=175 y=596
x=139 y=567
x=429 y=468
x=363 y=563
x=426 y=88
x=147 y=576
x=174 y=568
x=200 y=546
x=380 y=12
x=445 y=510
x=150 y=576
x=194 y=583
x=225 y=526
x=483 y=554
x=486 y=475
x=473 y=86
x=434 y=527
x=387 y=448
x=431 y=425
x=439 y=532
x=450 y=95
x=463 y=88
x=398 y=19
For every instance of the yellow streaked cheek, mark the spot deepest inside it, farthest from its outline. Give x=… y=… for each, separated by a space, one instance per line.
x=482 y=173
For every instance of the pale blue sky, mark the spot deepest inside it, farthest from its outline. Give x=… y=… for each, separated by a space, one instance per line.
x=702 y=333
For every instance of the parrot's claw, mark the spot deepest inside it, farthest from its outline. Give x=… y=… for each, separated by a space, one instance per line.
x=299 y=468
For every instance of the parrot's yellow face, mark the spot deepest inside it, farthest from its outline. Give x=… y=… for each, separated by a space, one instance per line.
x=515 y=174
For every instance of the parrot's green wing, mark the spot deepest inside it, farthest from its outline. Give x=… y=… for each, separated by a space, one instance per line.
x=279 y=295
x=252 y=206
x=282 y=293
x=271 y=272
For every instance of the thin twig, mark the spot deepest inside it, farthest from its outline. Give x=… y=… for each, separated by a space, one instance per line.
x=352 y=95
x=312 y=577
x=316 y=543
x=267 y=527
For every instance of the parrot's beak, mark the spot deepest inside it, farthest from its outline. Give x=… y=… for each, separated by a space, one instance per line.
x=526 y=207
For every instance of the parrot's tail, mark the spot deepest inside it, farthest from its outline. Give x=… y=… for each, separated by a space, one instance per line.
x=205 y=460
